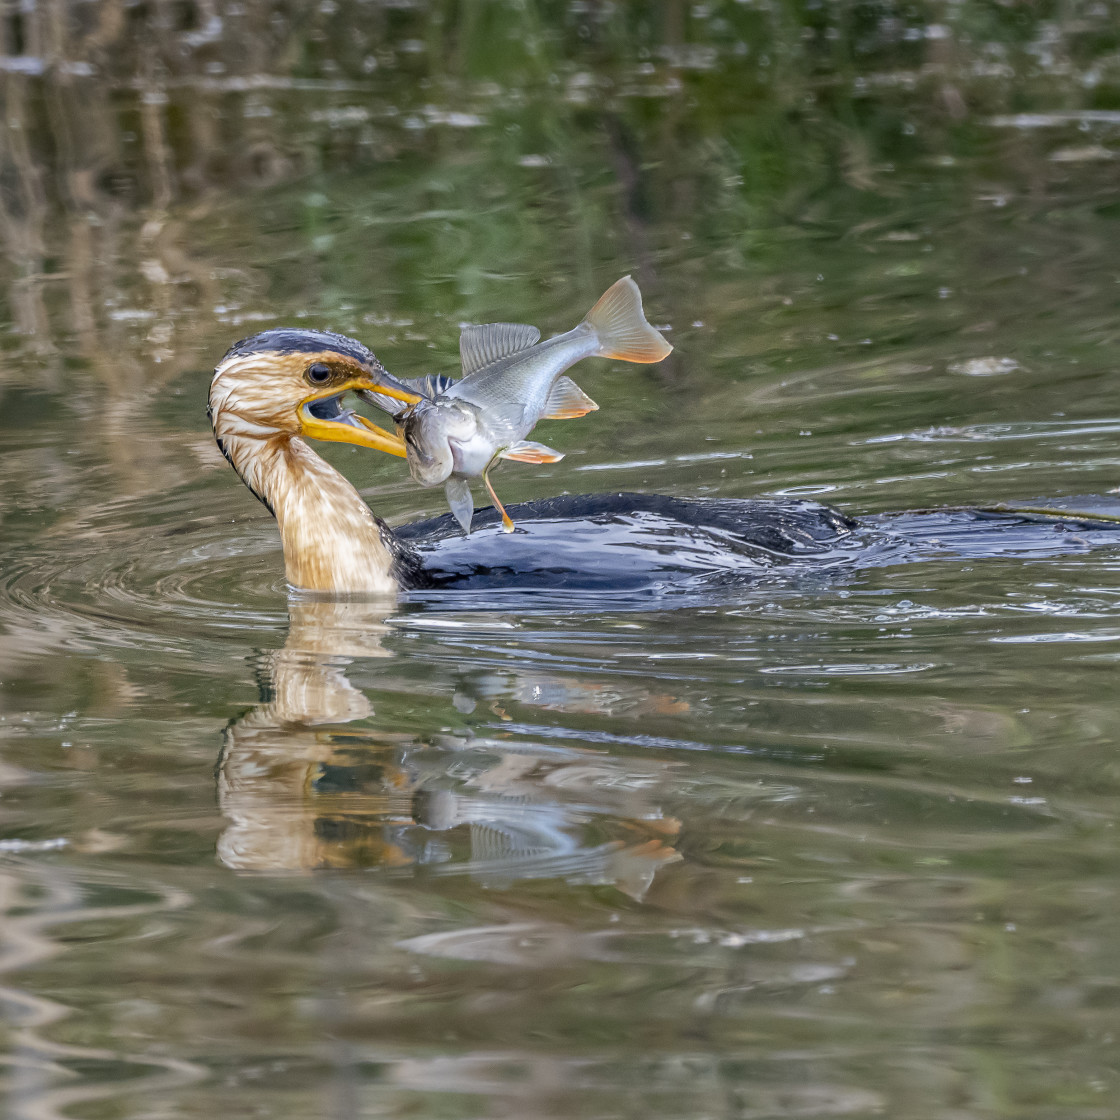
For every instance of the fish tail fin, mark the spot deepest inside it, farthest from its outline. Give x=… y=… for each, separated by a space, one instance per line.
x=621 y=326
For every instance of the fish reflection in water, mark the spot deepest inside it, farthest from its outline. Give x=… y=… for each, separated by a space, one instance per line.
x=307 y=779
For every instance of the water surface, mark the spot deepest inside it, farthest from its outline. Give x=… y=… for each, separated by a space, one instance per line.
x=837 y=845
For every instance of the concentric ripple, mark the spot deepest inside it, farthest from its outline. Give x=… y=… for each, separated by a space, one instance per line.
x=136 y=589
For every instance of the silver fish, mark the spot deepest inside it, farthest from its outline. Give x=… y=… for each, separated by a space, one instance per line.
x=460 y=428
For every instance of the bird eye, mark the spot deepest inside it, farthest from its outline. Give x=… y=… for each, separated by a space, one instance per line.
x=318 y=373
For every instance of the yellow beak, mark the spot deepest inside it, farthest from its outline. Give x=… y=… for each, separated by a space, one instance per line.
x=332 y=423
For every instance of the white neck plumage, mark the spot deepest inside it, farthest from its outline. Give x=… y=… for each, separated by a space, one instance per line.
x=332 y=542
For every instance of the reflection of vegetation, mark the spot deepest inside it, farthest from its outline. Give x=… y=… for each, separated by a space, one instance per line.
x=593 y=118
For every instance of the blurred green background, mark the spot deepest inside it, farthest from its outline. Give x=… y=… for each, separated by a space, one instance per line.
x=870 y=193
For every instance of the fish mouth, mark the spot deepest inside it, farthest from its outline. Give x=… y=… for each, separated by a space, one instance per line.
x=322 y=416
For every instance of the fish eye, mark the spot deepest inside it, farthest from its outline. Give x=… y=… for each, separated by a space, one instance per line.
x=318 y=373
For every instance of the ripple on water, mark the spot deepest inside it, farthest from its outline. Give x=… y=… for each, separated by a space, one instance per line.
x=999 y=433
x=531 y=944
x=159 y=591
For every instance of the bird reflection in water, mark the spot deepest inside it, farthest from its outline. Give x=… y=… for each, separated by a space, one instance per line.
x=312 y=778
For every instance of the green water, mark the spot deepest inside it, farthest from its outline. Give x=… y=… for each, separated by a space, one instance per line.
x=842 y=847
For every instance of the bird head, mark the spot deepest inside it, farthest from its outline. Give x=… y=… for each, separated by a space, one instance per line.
x=292 y=381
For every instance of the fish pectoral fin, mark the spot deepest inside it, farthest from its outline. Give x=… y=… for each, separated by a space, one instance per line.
x=528 y=451
x=567 y=400
x=459 y=499
x=481 y=345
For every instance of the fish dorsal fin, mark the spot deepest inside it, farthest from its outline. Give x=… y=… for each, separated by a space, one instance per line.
x=566 y=401
x=430 y=386
x=481 y=345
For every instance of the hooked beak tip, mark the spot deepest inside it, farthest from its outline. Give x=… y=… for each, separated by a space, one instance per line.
x=386 y=385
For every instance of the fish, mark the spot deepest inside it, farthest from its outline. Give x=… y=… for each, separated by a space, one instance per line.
x=461 y=427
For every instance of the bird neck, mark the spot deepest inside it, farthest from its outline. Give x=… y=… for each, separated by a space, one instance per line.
x=332 y=542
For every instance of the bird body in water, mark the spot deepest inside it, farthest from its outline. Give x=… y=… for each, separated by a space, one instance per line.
x=274 y=390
